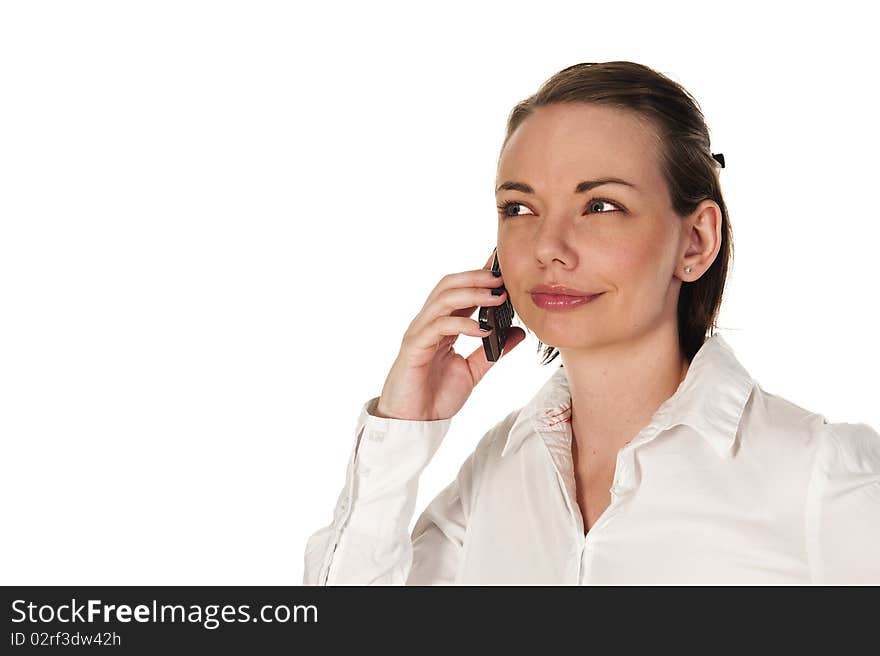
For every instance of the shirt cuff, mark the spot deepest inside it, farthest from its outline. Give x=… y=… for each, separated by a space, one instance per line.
x=388 y=458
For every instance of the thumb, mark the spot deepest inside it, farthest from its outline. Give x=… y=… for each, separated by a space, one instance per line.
x=477 y=361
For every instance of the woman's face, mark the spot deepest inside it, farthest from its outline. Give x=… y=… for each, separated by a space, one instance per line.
x=623 y=242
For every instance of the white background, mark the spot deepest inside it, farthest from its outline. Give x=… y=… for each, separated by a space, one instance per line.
x=218 y=218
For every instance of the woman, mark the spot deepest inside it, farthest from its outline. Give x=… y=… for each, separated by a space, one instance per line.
x=650 y=455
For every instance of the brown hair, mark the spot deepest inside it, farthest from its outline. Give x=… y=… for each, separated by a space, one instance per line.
x=686 y=163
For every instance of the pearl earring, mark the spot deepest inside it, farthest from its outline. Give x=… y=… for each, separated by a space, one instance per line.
x=687 y=269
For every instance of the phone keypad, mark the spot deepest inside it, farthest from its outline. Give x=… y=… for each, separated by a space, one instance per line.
x=499 y=317
x=503 y=319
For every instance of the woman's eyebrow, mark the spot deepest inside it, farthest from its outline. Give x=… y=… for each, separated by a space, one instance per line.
x=581 y=187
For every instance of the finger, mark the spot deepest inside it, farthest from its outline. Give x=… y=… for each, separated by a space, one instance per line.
x=451 y=302
x=481 y=278
x=432 y=334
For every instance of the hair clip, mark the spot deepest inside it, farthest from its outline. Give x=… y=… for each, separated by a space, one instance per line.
x=719 y=157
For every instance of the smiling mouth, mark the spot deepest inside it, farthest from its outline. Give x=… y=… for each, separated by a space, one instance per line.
x=561 y=301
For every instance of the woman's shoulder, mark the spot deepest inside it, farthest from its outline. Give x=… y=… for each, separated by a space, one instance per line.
x=774 y=419
x=850 y=449
x=768 y=416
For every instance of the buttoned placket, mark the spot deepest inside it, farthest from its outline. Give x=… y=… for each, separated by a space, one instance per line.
x=623 y=484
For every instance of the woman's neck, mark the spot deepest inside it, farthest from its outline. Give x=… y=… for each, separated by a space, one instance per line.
x=615 y=391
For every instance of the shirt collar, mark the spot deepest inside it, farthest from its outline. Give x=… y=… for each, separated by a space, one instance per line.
x=710 y=399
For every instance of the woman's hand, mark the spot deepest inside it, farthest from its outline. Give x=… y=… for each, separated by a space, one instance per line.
x=429 y=380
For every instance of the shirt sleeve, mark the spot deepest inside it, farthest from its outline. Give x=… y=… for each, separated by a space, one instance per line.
x=843 y=507
x=368 y=541
x=438 y=536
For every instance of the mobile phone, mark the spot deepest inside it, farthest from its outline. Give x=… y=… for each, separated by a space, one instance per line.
x=498 y=317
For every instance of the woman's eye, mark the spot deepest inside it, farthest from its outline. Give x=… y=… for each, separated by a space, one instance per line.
x=505 y=207
x=598 y=202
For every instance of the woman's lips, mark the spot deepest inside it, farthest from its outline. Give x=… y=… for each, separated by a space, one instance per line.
x=559 y=302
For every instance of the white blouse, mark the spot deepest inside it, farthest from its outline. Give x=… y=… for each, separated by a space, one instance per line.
x=727 y=484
